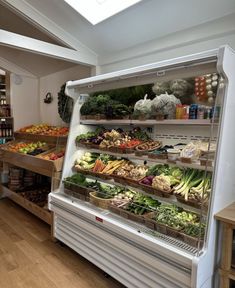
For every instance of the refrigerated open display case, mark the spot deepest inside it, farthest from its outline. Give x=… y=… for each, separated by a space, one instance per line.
x=147 y=250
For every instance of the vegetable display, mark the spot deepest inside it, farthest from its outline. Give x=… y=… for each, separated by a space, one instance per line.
x=142 y=204
x=177 y=218
x=103 y=104
x=194 y=184
x=139 y=204
x=189 y=184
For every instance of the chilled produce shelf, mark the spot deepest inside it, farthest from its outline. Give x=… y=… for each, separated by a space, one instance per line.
x=171 y=199
x=153 y=161
x=122 y=122
x=109 y=218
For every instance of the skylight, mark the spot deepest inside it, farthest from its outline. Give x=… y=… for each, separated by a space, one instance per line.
x=95 y=11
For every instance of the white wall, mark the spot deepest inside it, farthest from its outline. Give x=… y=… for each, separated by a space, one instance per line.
x=24 y=101
x=200 y=38
x=52 y=83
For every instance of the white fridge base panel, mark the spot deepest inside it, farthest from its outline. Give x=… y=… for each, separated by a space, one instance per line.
x=128 y=264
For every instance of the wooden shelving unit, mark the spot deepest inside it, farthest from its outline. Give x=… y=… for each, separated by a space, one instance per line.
x=41 y=166
x=227 y=268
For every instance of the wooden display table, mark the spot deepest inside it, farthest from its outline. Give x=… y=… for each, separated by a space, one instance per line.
x=227 y=267
x=49 y=168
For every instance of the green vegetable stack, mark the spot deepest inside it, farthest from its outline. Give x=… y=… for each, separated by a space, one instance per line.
x=103 y=104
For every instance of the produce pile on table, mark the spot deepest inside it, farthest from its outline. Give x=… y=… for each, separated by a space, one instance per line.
x=45 y=129
x=30 y=148
x=53 y=155
x=139 y=204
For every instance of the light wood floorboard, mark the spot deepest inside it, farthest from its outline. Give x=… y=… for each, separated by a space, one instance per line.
x=30 y=259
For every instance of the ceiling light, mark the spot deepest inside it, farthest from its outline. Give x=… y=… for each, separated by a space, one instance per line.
x=96 y=11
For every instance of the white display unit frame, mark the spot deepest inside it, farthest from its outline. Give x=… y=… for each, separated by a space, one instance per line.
x=112 y=243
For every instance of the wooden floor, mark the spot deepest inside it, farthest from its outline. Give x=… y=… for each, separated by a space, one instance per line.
x=29 y=259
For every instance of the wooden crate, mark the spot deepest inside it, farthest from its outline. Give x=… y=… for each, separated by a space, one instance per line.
x=38 y=211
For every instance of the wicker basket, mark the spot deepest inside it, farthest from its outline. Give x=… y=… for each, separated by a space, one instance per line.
x=99 y=202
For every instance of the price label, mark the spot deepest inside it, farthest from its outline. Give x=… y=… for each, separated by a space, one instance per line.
x=99 y=219
x=161 y=73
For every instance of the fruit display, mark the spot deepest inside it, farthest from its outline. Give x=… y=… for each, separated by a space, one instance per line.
x=53 y=155
x=31 y=148
x=45 y=129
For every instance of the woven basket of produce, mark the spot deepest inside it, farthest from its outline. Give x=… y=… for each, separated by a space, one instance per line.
x=99 y=202
x=132 y=216
x=173 y=232
x=149 y=221
x=119 y=179
x=190 y=202
x=116 y=206
x=147 y=188
x=161 y=228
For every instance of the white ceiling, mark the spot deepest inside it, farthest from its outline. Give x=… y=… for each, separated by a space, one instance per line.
x=148 y=20
x=143 y=22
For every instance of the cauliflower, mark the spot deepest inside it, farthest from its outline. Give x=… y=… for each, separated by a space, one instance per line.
x=143 y=106
x=165 y=104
